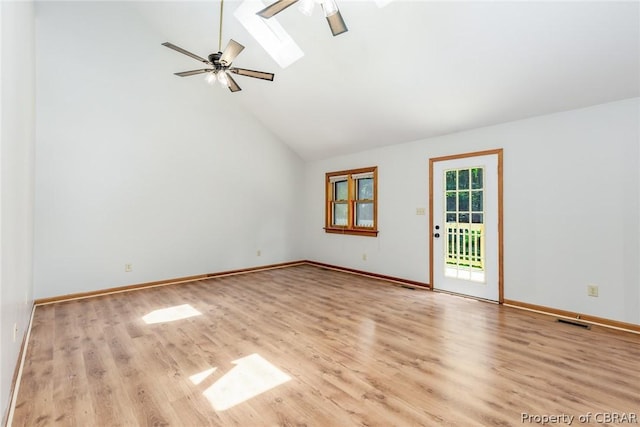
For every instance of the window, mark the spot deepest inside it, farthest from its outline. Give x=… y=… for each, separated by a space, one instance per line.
x=351 y=206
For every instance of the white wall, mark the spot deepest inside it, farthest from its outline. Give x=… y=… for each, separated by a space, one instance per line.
x=571 y=208
x=16 y=183
x=135 y=165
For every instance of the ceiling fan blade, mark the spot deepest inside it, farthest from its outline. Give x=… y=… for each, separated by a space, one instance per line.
x=193 y=72
x=275 y=8
x=252 y=73
x=233 y=86
x=336 y=23
x=230 y=52
x=185 y=52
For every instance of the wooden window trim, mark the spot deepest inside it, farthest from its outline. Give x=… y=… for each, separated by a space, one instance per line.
x=351 y=228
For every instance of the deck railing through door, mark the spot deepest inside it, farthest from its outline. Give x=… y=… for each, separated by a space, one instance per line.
x=465 y=245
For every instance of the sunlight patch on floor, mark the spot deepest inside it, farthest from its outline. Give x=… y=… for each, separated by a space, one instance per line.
x=251 y=376
x=201 y=376
x=170 y=314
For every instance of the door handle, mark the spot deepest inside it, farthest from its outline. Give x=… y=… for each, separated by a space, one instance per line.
x=436 y=235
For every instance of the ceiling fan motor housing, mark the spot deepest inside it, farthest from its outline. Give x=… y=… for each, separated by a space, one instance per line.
x=215 y=57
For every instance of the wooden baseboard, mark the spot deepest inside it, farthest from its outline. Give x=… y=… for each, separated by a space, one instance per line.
x=175 y=281
x=17 y=372
x=259 y=268
x=398 y=280
x=82 y=295
x=601 y=321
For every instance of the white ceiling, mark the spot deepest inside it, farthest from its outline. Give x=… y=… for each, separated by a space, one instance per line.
x=416 y=69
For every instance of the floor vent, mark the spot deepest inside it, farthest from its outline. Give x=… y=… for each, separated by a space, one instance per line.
x=575 y=323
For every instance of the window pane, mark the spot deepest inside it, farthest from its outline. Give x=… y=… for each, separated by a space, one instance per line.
x=463 y=201
x=340 y=190
x=451 y=180
x=451 y=201
x=476 y=218
x=339 y=214
x=365 y=188
x=476 y=200
x=463 y=179
x=364 y=214
x=463 y=217
x=476 y=178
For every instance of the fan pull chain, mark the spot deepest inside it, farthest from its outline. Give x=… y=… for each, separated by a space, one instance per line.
x=220 y=35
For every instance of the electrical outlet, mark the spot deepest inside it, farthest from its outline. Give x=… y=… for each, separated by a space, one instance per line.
x=258 y=252
x=421 y=211
x=592 y=290
x=15 y=332
x=128 y=268
x=364 y=257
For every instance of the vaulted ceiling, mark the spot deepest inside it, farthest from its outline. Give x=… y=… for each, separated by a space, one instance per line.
x=414 y=69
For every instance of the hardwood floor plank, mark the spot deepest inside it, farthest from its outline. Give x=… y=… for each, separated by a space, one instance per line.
x=304 y=345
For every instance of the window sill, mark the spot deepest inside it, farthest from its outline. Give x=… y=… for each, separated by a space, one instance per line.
x=352 y=231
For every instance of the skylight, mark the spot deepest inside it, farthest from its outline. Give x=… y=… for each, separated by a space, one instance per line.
x=269 y=33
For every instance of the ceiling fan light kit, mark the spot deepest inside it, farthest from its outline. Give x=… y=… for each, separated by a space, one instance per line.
x=213 y=76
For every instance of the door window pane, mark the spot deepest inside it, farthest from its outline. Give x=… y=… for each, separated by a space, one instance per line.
x=464 y=230
x=365 y=188
x=463 y=179
x=476 y=200
x=463 y=201
x=451 y=201
x=476 y=178
x=451 y=180
x=341 y=191
x=364 y=214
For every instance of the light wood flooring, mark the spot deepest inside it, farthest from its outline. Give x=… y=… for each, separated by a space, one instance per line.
x=306 y=346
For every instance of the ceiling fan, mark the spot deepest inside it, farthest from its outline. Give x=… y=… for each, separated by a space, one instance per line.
x=220 y=63
x=331 y=12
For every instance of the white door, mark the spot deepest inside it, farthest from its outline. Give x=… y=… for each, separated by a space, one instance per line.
x=465 y=224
